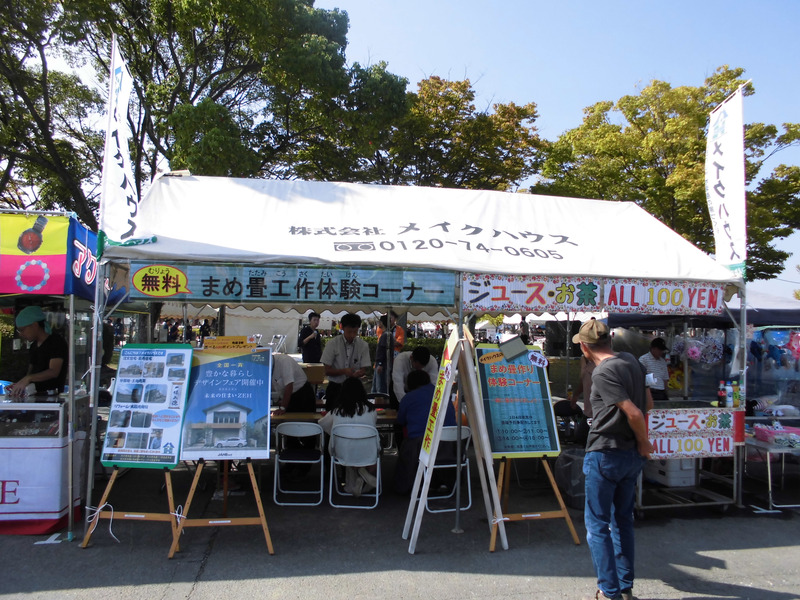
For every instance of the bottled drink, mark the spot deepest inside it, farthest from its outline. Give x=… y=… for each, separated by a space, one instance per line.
x=569 y=393
x=736 y=394
x=721 y=394
x=728 y=394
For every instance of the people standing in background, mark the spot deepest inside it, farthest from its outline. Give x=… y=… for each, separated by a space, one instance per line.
x=309 y=341
x=344 y=356
x=398 y=333
x=656 y=365
x=205 y=331
x=384 y=357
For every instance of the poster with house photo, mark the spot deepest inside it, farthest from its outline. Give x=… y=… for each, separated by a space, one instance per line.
x=144 y=421
x=227 y=412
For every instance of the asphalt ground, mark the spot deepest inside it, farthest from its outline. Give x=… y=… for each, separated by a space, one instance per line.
x=326 y=553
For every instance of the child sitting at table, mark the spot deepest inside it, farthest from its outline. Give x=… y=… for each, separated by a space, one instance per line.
x=354 y=408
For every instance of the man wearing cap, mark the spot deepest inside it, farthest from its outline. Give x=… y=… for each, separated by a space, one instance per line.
x=48 y=354
x=655 y=364
x=616 y=450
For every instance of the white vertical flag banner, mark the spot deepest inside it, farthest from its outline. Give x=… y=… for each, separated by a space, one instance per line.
x=119 y=204
x=725 y=183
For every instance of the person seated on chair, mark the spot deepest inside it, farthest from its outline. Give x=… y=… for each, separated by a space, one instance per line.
x=413 y=417
x=353 y=408
x=418 y=359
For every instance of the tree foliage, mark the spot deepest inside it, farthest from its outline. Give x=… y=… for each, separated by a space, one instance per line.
x=49 y=147
x=650 y=149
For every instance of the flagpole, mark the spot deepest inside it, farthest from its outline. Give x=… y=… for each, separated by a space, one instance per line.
x=731 y=95
x=99 y=300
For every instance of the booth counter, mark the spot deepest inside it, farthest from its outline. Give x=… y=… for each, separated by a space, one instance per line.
x=34 y=462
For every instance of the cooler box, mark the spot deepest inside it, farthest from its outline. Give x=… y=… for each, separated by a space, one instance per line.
x=674 y=472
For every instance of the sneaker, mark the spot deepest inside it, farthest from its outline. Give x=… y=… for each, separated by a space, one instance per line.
x=628 y=595
x=368 y=477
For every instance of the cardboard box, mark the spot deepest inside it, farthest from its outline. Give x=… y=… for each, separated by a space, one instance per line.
x=673 y=472
x=315 y=372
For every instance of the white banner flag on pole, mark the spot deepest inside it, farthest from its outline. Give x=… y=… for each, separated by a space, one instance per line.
x=725 y=183
x=119 y=204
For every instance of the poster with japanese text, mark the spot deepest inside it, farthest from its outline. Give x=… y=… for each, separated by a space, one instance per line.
x=516 y=401
x=227 y=413
x=144 y=422
x=694 y=432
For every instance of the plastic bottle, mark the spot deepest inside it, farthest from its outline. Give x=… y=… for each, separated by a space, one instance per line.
x=569 y=392
x=721 y=394
x=736 y=394
x=728 y=394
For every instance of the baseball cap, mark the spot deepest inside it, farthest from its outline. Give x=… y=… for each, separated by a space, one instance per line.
x=591 y=332
x=659 y=343
x=29 y=315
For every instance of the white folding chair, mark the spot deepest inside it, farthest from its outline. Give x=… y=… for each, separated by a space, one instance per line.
x=354 y=445
x=450 y=434
x=299 y=455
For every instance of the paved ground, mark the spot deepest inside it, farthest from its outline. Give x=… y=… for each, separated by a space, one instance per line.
x=331 y=554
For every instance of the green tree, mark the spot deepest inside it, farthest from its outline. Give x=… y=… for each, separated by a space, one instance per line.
x=445 y=141
x=650 y=149
x=49 y=147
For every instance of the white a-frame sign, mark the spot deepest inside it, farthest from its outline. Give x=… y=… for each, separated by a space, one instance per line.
x=455 y=355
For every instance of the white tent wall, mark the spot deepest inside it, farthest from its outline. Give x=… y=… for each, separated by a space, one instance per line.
x=475 y=231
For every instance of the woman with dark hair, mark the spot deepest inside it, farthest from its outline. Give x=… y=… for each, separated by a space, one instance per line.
x=353 y=408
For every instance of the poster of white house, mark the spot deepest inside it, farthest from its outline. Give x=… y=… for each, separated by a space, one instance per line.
x=227 y=413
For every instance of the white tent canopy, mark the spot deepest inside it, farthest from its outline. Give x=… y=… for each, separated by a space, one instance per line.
x=212 y=219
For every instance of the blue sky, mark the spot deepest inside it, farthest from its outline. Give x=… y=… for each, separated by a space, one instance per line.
x=567 y=55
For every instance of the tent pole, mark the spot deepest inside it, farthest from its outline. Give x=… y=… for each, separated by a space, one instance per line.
x=739 y=474
x=70 y=422
x=685 y=359
x=457 y=525
x=94 y=383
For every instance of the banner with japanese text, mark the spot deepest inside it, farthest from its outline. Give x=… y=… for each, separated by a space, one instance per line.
x=695 y=432
x=725 y=183
x=642 y=296
x=297 y=284
x=538 y=294
x=516 y=400
x=529 y=293
x=119 y=203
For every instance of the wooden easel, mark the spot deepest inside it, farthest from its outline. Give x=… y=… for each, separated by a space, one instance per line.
x=109 y=513
x=504 y=484
x=261 y=519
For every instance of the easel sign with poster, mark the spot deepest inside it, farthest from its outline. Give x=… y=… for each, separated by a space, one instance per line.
x=520 y=420
x=227 y=418
x=447 y=373
x=144 y=423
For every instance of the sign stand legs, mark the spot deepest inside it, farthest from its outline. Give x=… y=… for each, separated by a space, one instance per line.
x=504 y=481
x=106 y=511
x=261 y=519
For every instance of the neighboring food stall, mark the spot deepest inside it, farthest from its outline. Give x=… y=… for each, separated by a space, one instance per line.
x=46 y=259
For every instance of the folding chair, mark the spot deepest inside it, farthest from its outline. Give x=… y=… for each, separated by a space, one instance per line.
x=295 y=454
x=381 y=400
x=450 y=434
x=354 y=445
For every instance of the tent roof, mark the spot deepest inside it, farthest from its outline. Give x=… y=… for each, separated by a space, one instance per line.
x=213 y=219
